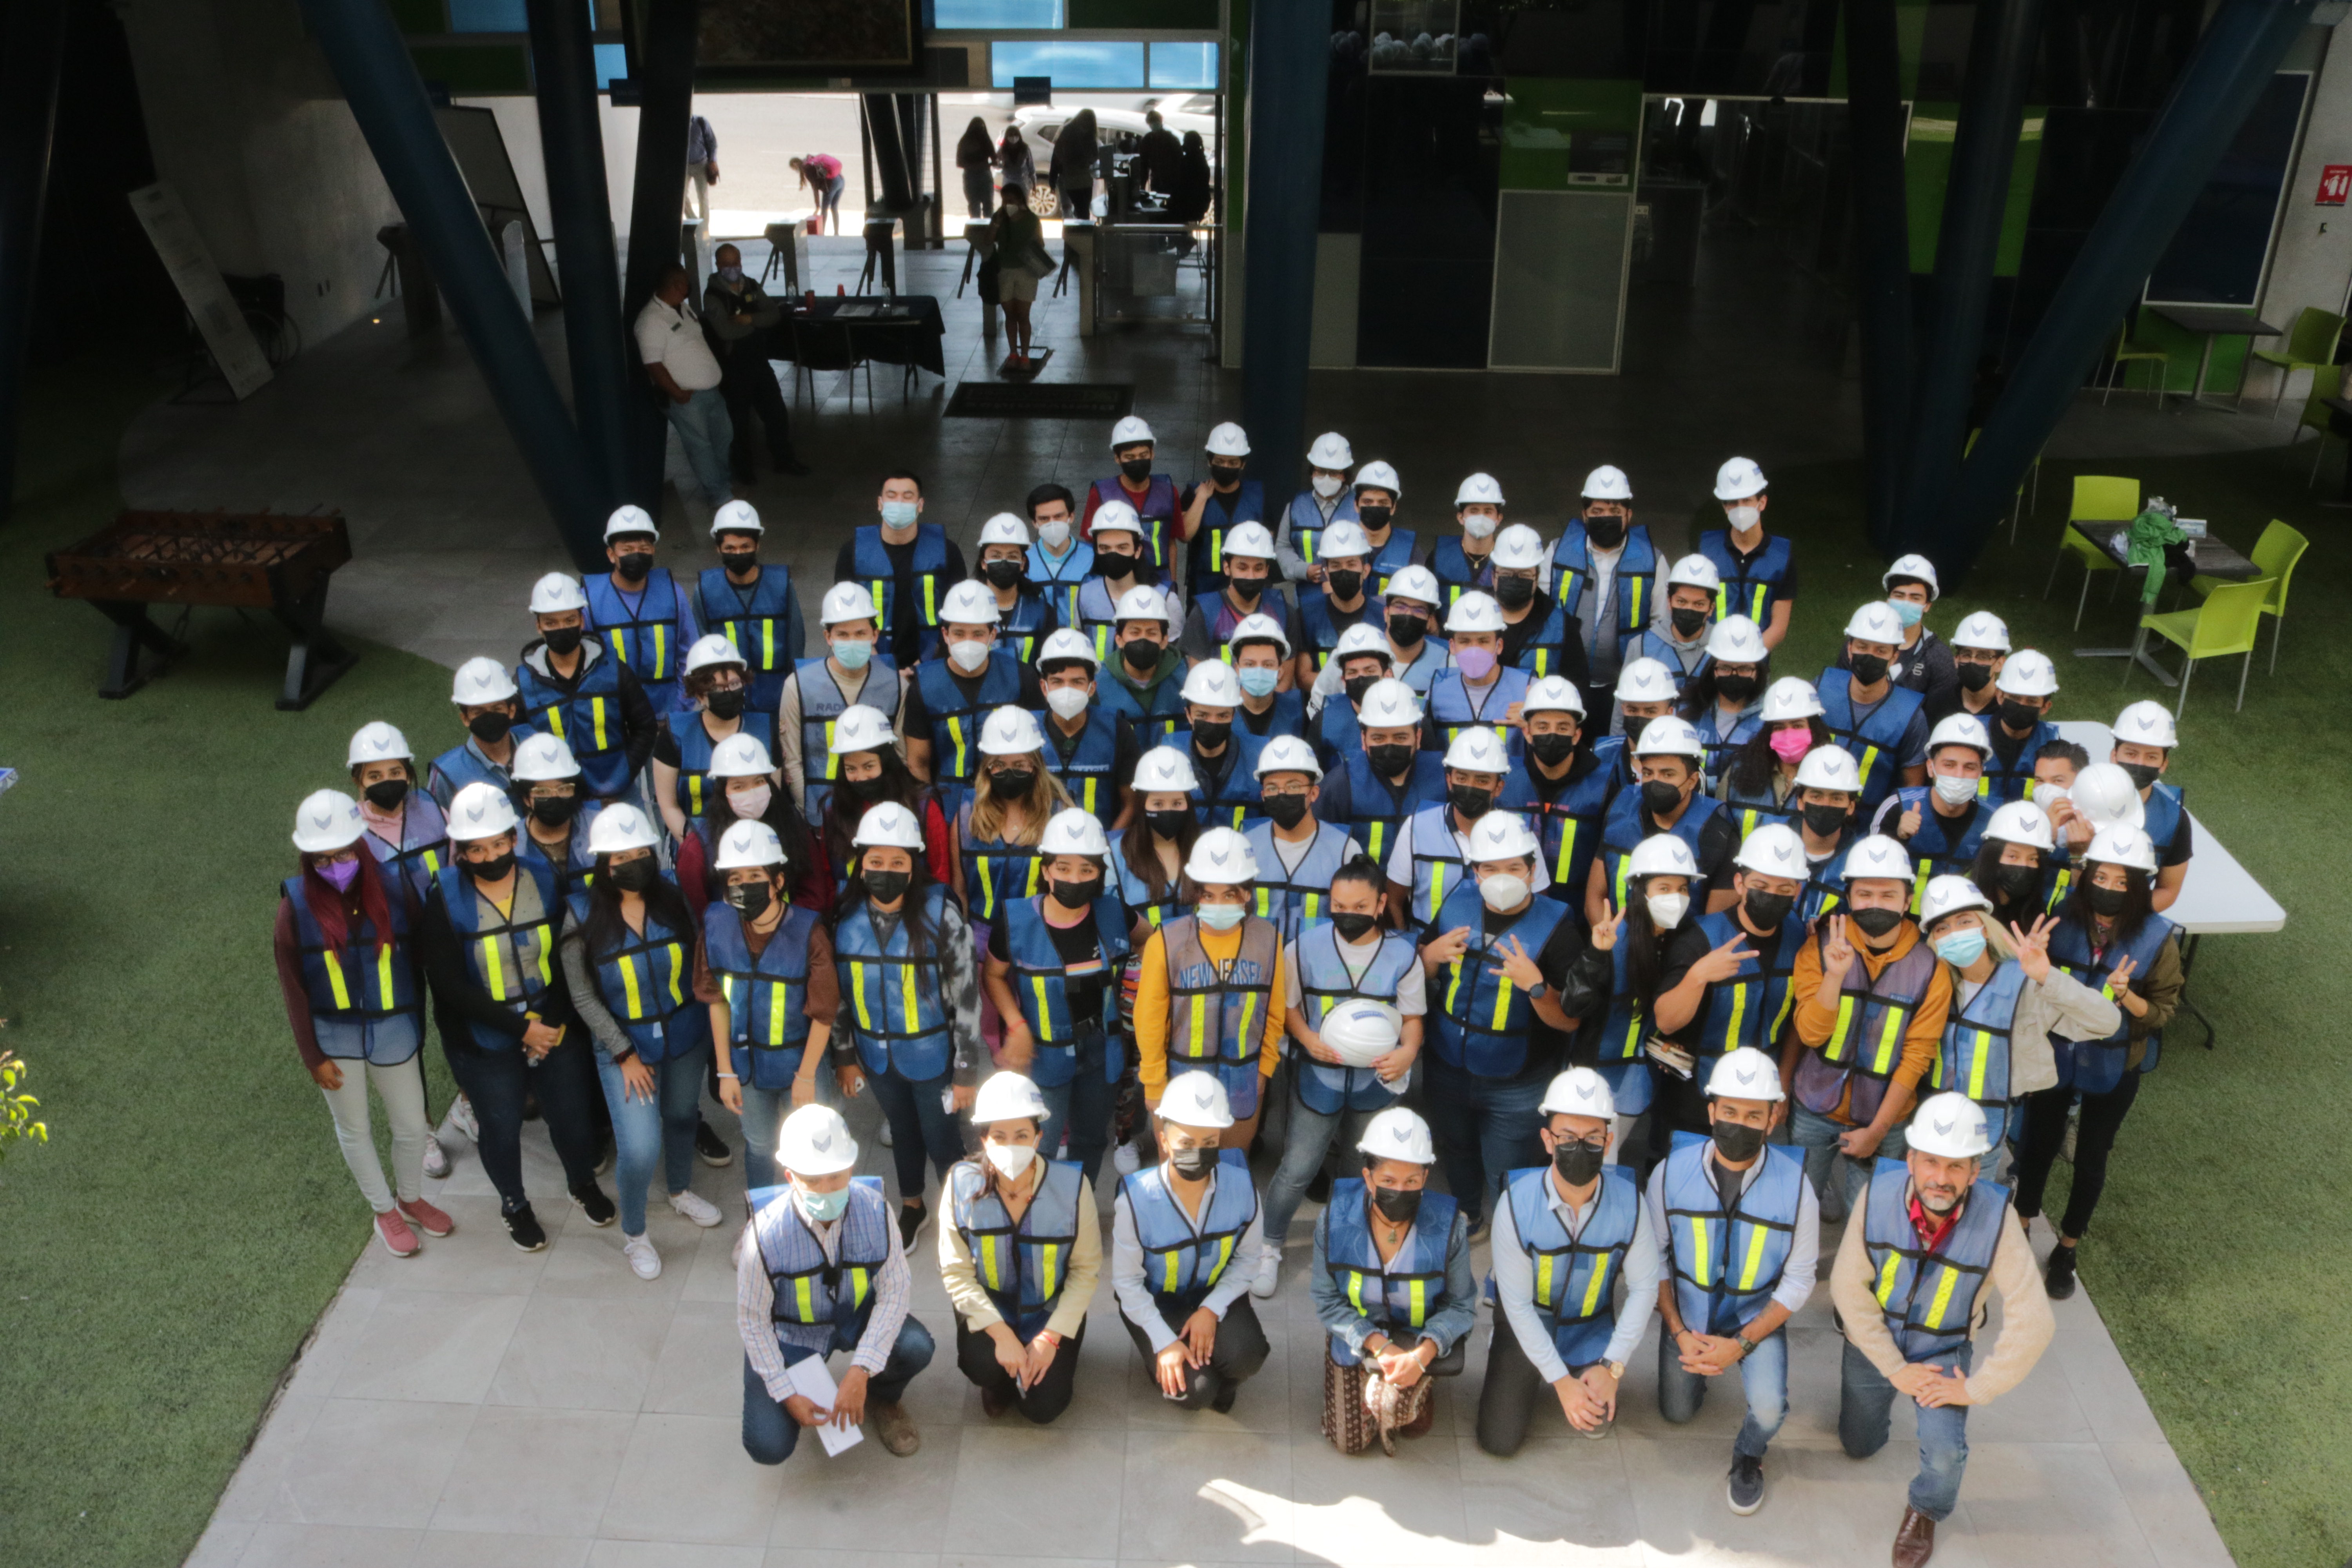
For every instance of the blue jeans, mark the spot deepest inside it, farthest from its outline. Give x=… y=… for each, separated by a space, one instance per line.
x=1311 y=1135
x=1817 y=1135
x=708 y=433
x=1763 y=1377
x=763 y=1114
x=498 y=1081
x=1082 y=1108
x=770 y=1433
x=1865 y=1399
x=919 y=1123
x=645 y=1130
x=1484 y=1128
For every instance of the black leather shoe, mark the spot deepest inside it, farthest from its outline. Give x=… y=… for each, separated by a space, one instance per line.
x=2058 y=1275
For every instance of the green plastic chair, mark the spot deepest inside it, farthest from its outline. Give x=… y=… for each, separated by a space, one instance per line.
x=2126 y=351
x=2098 y=498
x=2275 y=554
x=2326 y=382
x=2226 y=623
x=2310 y=345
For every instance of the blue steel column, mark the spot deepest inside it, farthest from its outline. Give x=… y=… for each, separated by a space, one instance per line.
x=657 y=205
x=1290 y=76
x=32 y=58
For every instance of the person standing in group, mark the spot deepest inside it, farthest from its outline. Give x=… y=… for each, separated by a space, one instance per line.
x=575 y=690
x=406 y=829
x=1678 y=637
x=1092 y=752
x=1072 y=167
x=1021 y=1256
x=1538 y=637
x=1324 y=501
x=1014 y=163
x=1603 y=574
x=1828 y=786
x=1120 y=571
x=907 y=566
x=1666 y=798
x=1941 y=825
x=1358 y=662
x=743 y=787
x=872 y=773
x=2019 y=726
x=1429 y=854
x=1759 y=780
x=1616 y=979
x=820 y=175
x=1015 y=243
x=354 y=994
x=1379 y=494
x=1465 y=561
x=752 y=605
x=1150 y=496
x=975 y=155
x=1723 y=702
x=1297 y=854
x=2144 y=742
x=1880 y=722
x=1922 y=663
x=999 y=828
x=1910 y=1283
x=2017 y=866
x=638 y=611
x=1979 y=647
x=556 y=813
x=1563 y=790
x=824 y=1274
x=1223 y=759
x=1060 y=562
x=954 y=690
x=1218 y=504
x=685 y=375
x=1348 y=599
x=1249 y=590
x=1480 y=690
x=743 y=318
x=712 y=710
x=1259 y=651
x=1027 y=614
x=1206 y=990
x=1408 y=610
x=1758 y=571
x=1147 y=857
x=1646 y=689
x=1387 y=779
x=818 y=692
x=486 y=706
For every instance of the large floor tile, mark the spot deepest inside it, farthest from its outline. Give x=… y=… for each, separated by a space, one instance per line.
x=824 y=1505
x=583 y=1260
x=685 y=1478
x=1040 y=1491
x=1677 y=1485
x=699 y=1371
x=1206 y=1494
x=289 y=1546
x=1374 y=1507
x=254 y=1491
x=535 y=1472
x=1555 y=1496
x=2042 y=1503
x=222 y=1543
x=583 y=1352
x=339 y=1330
x=431 y=1345
x=372 y=1461
x=477 y=1258
x=2165 y=1502
x=671 y=1554
x=467 y=1549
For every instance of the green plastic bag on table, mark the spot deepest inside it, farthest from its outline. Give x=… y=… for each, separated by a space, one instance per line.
x=2150 y=535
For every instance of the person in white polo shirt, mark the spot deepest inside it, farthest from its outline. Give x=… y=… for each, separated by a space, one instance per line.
x=678 y=358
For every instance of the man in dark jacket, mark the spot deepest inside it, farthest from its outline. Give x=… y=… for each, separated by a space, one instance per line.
x=742 y=321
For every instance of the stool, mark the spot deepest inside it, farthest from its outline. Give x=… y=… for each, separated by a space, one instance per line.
x=880 y=250
x=787 y=245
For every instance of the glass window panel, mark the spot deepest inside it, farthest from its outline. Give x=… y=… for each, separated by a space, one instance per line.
x=611 y=65
x=488 y=16
x=1179 y=66
x=1073 y=65
x=997 y=14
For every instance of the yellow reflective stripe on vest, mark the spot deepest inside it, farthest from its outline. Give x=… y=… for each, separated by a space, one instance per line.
x=596 y=720
x=1920 y=884
x=661 y=650
x=1633 y=601
x=1091 y=782
x=1936 y=1309
x=432 y=863
x=1436 y=887
x=907 y=995
x=768 y=645
x=1763 y=590
x=955 y=739
x=1310 y=907
x=930 y=600
x=1217 y=550
x=1835 y=1049
x=495 y=973
x=1418 y=1309
x=1886 y=1278
x=1722 y=601
x=619 y=640
x=1788 y=1001
x=861 y=1281
x=1738 y=1011
x=1596 y=1293
x=1543 y=1279
x=1869 y=761
x=779 y=999
x=857 y=995
x=693 y=794
x=1356 y=1289
x=1567 y=848
x=1698 y=1251
x=1044 y=1011
x=1624 y=869
x=383 y=974
x=1977 y=1068
x=1502 y=1003
x=1242 y=1029
x=1888 y=1039
x=676 y=963
x=1378 y=830
x=832 y=757
x=803 y=1302
x=987 y=1259
x=881 y=602
x=1754 y=1257
x=1454 y=990
x=1265 y=903
x=335 y=980
x=1543 y=662
x=629 y=985
x=1194 y=1045
x=1169 y=1288
x=987 y=881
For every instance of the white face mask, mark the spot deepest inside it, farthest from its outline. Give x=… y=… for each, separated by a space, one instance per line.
x=1478 y=525
x=1504 y=893
x=750 y=803
x=1010 y=1159
x=1744 y=518
x=1221 y=916
x=1328 y=485
x=1666 y=909
x=968 y=656
x=1066 y=702
x=1054 y=535
x=1953 y=791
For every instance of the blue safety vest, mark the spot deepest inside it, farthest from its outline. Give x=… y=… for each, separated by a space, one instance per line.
x=1300 y=897
x=954 y=719
x=1096 y=609
x=871 y=558
x=1455 y=575
x=1928 y=1297
x=1324 y=982
x=1726 y=1265
x=2011 y=778
x=696 y=788
x=1752 y=810
x=1866 y=1045
x=1619 y=1057
x=897 y=1011
x=411 y=865
x=1041 y=984
x=1406 y=1291
x=458 y=767
x=764 y=625
x=1337 y=736
x=1137 y=898
x=1484 y=1024
x=1681 y=662
x=1320 y=634
x=587 y=718
x=822 y=706
x=509 y=955
x=1751 y=1008
x=1221 y=618
x=1976 y=1051
x=1308 y=522
x=1151 y=727
x=647 y=985
x=1022 y=1267
x=1285 y=715
x=767 y=995
x=1158 y=509
x=1624 y=827
x=1392 y=557
x=650 y=638
x=1941 y=847
x=1628 y=606
x=821 y=1302
x=1568 y=823
x=1204 y=556
x=1423 y=669
x=1453 y=709
x=1217 y=1021
x=1721 y=744
x=996 y=871
x=2163 y=814
x=1438 y=864
x=1027 y=624
x=1541 y=654
x=1576 y=1276
x=1373 y=808
x=1086 y=773
x=1181 y=1261
x=362 y=983
x=1825 y=882
x=579 y=868
x=1236 y=804
x=1752 y=589
x=1875 y=742
x=2097 y=1067
x=1060 y=580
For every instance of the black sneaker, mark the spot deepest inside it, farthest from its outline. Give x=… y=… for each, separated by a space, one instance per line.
x=910 y=1223
x=710 y=1146
x=1745 y=1490
x=594 y=1204
x=2058 y=1276
x=524 y=1227
x=1223 y=1403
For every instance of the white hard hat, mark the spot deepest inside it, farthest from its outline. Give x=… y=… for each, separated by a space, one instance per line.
x=846 y=601
x=1476 y=750
x=555 y=593
x=2147 y=724
x=1917 y=567
x=1607 y=482
x=1224 y=857
x=1667 y=736
x=1067 y=643
x=2022 y=822
x=1950 y=1125
x=1259 y=627
x=815 y=1142
x=1982 y=629
x=480 y=810
x=1397 y=1133
x=1501 y=835
x=1213 y=684
x=1164 y=769
x=1418 y=584
x=741 y=755
x=1073 y=832
x=1947 y=895
x=378 y=742
x=1737 y=480
x=1249 y=539
x=1342 y=541
x=748 y=844
x=1644 y=681
x=542 y=756
x=1128 y=431
x=629 y=520
x=1772 y=850
x=1011 y=732
x=1478 y=490
x=1228 y=440
x=1694 y=572
x=1379 y=476
x=1877 y=858
x=1116 y=516
x=481 y=681
x=1288 y=754
x=887 y=825
x=619 y=827
x=1745 y=1073
x=1004 y=529
x=1578 y=1091
x=1876 y=622
x=1830 y=767
x=861 y=729
x=326 y=821
x=2028 y=673
x=1790 y=697
x=1736 y=639
x=1007 y=1097
x=1364 y=636
x=1661 y=855
x=736 y=516
x=1475 y=612
x=1196 y=1100
x=1517 y=548
x=2105 y=795
x=1361 y=1030
x=1141 y=602
x=1553 y=694
x=1959 y=730
x=1389 y=704
x=970 y=603
x=1331 y=450
x=712 y=647
x=2123 y=845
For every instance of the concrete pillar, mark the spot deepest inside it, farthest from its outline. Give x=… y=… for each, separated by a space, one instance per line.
x=1289 y=75
x=2313 y=264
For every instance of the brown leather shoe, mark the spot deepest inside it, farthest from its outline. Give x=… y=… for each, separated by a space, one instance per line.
x=1915 y=1539
x=992 y=1403
x=895 y=1429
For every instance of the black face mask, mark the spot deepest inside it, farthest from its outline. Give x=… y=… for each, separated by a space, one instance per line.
x=563 y=641
x=490 y=728
x=2105 y=902
x=1578 y=1162
x=1141 y=656
x=385 y=794
x=738 y=562
x=1515 y=592
x=1687 y=622
x=727 y=703
x=2142 y=774
x=1074 y=895
x=1247 y=589
x=636 y=566
x=1869 y=669
x=1137 y=468
x=2016 y=884
x=750 y=899
x=1877 y=924
x=868 y=789
x=1012 y=784
x=636 y=876
x=1374 y=518
x=493 y=870
x=1767 y=909
x=1396 y=1207
x=1001 y=573
x=1735 y=688
x=1226 y=474
x=1354 y=927
x=1167 y=825
x=886 y=887
x=1735 y=1143
x=2018 y=715
x=1975 y=676
x=1357 y=685
x=1192 y=1164
x=1605 y=529
x=1660 y=798
x=555 y=810
x=1826 y=821
x=1287 y=810
x=1114 y=564
x=1552 y=748
x=1470 y=799
x=1208 y=737
x=1345 y=585
x=1406 y=631
x=1389 y=760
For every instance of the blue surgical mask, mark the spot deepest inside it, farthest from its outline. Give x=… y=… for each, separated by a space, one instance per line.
x=1221 y=916
x=1960 y=947
x=732 y=274
x=1907 y=611
x=898 y=513
x=852 y=655
x=1259 y=682
x=824 y=1207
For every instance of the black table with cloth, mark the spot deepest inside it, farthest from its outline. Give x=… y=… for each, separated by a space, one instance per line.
x=906 y=329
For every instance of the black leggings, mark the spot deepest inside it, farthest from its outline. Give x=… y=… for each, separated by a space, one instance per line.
x=565 y=1080
x=1240 y=1350
x=976 y=1358
x=2045 y=1134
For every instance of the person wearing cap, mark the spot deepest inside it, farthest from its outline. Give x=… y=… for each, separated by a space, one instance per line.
x=1326 y=500
x=1185 y=1240
x=574 y=690
x=1880 y=722
x=1428 y=856
x=825 y=1274
x=1297 y=854
x=1910 y=1283
x=1207 y=985
x=854 y=672
x=2108 y=935
x=1091 y=751
x=1616 y=980
x=1259 y=651
x=1603 y=573
x=1408 y=610
x=1941 y=824
x=1358 y=662
x=1980 y=650
x=1740 y=1234
x=488 y=942
x=1667 y=796
x=1021 y=1256
x=484 y=697
x=1538 y=637
x=1117 y=569
x=405 y=830
x=1645 y=690
x=1378 y=496
x=1386 y=778
x=1758 y=783
x=1567 y=1233
x=1218 y=504
x=909 y=974
x=1726 y=980
x=1149 y=856
x=1393 y=1288
x=1871 y=1004
x=348 y=969
x=1828 y=820
x=713 y=707
x=555 y=812
x=999 y=827
x=1922 y=663
x=1497 y=956
x=1465 y=562
x=1758 y=571
x=751 y=605
x=1026 y=613
x=2019 y=725
x=638 y=611
x=1152 y=496
x=1725 y=700
x=1249 y=590
x=1562 y=789
x=870 y=771
x=1224 y=758
x=1678 y=637
x=1477 y=689
x=1060 y=562
x=2017 y=866
x=1347 y=598
x=906 y=565
x=953 y=690
x=2143 y=740
x=629 y=947
x=743 y=786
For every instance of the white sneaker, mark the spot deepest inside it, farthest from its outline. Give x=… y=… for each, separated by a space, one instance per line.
x=436 y=1159
x=886 y=1134
x=643 y=1261
x=1269 y=1276
x=1127 y=1159
x=696 y=1207
x=461 y=1117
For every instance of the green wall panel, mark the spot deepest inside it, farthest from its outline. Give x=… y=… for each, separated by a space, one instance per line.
x=2179 y=372
x=1542 y=115
x=1927 y=169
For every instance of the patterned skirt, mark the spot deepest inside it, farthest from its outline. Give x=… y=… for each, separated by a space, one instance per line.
x=1361 y=1408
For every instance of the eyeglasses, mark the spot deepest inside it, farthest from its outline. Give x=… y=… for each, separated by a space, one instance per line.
x=1597 y=1142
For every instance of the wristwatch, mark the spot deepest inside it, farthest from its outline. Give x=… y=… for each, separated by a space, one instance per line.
x=1616 y=1369
x=1536 y=990
x=1746 y=1346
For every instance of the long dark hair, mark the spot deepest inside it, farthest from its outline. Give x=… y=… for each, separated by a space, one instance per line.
x=1755 y=763
x=606 y=932
x=1645 y=959
x=1985 y=872
x=1699 y=694
x=912 y=910
x=1139 y=848
x=975 y=138
x=327 y=902
x=839 y=825
x=2138 y=903
x=791 y=831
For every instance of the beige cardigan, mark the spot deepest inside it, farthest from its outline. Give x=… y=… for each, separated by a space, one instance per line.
x=2025 y=1327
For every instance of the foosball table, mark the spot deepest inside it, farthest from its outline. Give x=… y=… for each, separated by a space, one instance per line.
x=260 y=561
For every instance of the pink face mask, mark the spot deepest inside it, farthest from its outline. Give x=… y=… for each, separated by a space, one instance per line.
x=1790 y=745
x=1475 y=663
x=342 y=873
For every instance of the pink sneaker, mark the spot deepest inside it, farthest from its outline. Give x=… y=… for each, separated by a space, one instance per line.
x=393 y=1232
x=428 y=1218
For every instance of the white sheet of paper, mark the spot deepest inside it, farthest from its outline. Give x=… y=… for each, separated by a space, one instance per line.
x=810 y=1378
